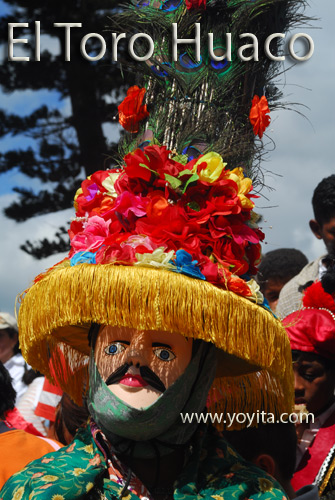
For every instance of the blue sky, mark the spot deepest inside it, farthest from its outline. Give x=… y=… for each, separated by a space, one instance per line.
x=303 y=156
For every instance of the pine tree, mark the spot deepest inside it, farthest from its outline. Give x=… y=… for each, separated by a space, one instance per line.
x=64 y=146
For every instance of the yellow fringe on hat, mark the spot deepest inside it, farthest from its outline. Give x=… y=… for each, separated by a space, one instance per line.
x=252 y=399
x=57 y=311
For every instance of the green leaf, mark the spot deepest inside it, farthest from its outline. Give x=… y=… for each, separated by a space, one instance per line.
x=146 y=166
x=193 y=178
x=194 y=206
x=173 y=181
x=187 y=171
x=180 y=159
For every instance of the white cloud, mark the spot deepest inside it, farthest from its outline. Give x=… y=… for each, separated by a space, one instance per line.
x=18 y=269
x=304 y=153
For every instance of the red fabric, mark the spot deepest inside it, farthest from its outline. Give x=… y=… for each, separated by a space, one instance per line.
x=315 y=455
x=315 y=296
x=16 y=420
x=312 y=330
x=49 y=399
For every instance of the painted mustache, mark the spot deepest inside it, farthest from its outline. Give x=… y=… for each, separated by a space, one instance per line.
x=152 y=379
x=117 y=375
x=145 y=372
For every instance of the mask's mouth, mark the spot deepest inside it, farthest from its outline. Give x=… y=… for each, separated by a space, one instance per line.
x=116 y=376
x=132 y=380
x=143 y=379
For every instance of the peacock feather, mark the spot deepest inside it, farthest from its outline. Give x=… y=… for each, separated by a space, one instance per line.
x=201 y=105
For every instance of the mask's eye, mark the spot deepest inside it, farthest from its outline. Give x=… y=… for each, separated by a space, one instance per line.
x=115 y=348
x=164 y=354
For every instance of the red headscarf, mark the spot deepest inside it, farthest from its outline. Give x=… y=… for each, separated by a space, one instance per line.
x=312 y=328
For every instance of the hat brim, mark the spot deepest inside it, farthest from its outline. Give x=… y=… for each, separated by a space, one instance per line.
x=57 y=311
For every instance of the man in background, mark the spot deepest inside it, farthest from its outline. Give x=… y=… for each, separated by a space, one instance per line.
x=323 y=228
x=276 y=269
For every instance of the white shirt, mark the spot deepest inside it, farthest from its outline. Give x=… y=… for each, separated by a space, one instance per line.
x=16 y=366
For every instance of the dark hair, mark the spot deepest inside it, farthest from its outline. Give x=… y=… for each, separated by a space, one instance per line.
x=30 y=375
x=328 y=278
x=93 y=334
x=7 y=392
x=323 y=200
x=281 y=264
x=69 y=416
x=12 y=332
x=278 y=440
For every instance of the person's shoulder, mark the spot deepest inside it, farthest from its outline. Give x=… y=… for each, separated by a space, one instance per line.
x=67 y=473
x=290 y=296
x=308 y=273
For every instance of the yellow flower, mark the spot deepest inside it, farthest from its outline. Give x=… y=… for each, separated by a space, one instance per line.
x=78 y=193
x=89 y=448
x=57 y=497
x=257 y=295
x=49 y=478
x=77 y=471
x=89 y=486
x=265 y=484
x=128 y=497
x=244 y=185
x=109 y=182
x=158 y=258
x=217 y=497
x=213 y=169
x=19 y=493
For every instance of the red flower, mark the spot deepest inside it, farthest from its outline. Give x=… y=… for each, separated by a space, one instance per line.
x=238 y=285
x=92 y=193
x=116 y=254
x=258 y=115
x=131 y=110
x=195 y=4
x=137 y=165
x=158 y=203
x=230 y=255
x=253 y=254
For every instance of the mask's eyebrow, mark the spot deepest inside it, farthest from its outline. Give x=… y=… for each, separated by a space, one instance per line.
x=160 y=344
x=121 y=341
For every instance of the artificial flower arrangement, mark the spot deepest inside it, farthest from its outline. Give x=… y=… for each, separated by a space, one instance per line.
x=259 y=115
x=191 y=217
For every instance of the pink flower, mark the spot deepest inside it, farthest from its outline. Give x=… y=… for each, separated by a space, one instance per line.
x=45 y=486
x=94 y=234
x=128 y=202
x=116 y=254
x=138 y=240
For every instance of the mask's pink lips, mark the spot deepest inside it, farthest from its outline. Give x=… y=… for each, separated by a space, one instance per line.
x=133 y=380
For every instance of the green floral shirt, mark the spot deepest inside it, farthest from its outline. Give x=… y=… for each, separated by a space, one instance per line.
x=79 y=471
